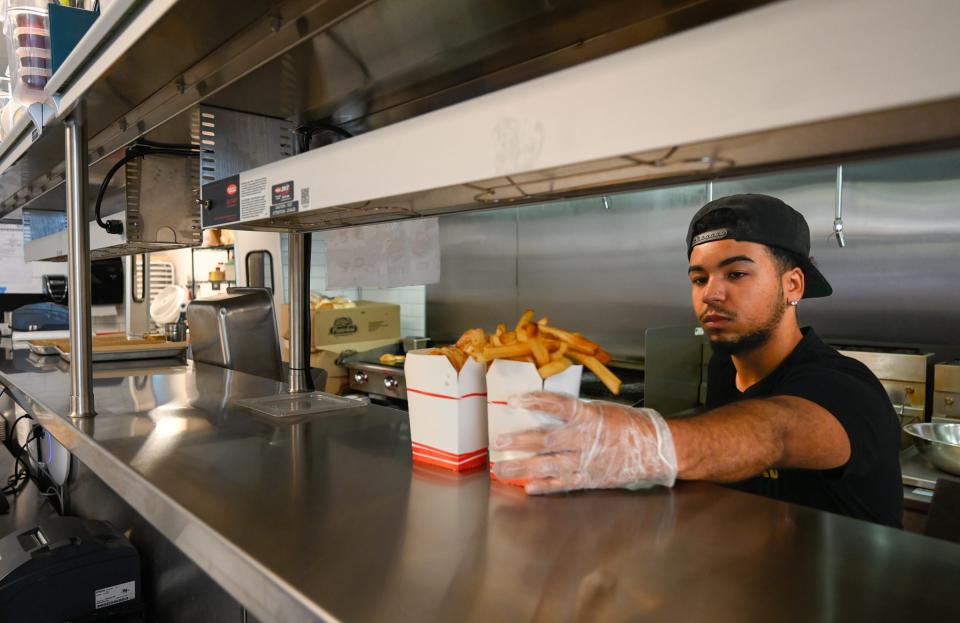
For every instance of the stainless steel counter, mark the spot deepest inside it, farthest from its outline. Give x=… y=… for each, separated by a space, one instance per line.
x=918 y=471
x=328 y=519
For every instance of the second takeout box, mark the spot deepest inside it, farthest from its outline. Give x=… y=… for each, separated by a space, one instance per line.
x=448 y=411
x=508 y=378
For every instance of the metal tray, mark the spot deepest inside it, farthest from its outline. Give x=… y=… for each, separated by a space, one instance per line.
x=282 y=406
x=42 y=347
x=175 y=349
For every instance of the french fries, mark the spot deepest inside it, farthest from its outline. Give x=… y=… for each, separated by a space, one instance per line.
x=576 y=342
x=552 y=350
x=454 y=355
x=554 y=367
x=540 y=353
x=524 y=319
x=505 y=352
x=603 y=373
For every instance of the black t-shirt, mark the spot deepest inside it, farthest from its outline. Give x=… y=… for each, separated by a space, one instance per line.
x=869 y=485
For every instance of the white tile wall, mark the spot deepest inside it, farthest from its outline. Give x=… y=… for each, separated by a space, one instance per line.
x=411 y=299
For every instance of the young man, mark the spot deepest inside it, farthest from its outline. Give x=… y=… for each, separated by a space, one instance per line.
x=788 y=417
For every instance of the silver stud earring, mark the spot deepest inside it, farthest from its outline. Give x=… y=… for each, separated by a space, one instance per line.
x=794 y=303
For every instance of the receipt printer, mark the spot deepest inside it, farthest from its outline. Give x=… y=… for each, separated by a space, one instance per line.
x=68 y=569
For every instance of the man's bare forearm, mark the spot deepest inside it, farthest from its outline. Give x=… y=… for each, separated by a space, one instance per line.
x=742 y=439
x=730 y=443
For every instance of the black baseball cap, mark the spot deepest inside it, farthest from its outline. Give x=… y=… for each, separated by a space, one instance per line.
x=769 y=221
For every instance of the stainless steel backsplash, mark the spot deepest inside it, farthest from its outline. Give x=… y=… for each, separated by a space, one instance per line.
x=614 y=268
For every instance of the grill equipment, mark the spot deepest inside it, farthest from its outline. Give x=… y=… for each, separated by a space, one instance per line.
x=367 y=374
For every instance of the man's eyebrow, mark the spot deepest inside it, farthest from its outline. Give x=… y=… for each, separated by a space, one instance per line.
x=735 y=259
x=697 y=268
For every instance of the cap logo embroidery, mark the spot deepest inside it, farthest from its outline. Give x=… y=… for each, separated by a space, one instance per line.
x=709 y=236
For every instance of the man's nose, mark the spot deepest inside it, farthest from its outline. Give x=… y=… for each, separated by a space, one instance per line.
x=713 y=292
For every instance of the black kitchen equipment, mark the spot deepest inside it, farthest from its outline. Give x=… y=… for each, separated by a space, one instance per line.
x=106 y=283
x=68 y=569
x=55 y=287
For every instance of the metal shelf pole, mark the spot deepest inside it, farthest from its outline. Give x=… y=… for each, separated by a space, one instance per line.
x=78 y=265
x=299 y=365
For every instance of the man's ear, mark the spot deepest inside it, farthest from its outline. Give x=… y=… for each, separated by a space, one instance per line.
x=793 y=284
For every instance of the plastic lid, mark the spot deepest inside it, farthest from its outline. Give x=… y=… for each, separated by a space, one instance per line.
x=166 y=304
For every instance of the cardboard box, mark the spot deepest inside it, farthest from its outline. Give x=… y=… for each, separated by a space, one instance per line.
x=448 y=411
x=363 y=323
x=326 y=358
x=508 y=378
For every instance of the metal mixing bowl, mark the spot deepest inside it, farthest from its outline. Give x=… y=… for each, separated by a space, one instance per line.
x=939 y=443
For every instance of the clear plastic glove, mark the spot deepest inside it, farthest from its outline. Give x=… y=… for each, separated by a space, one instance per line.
x=588 y=445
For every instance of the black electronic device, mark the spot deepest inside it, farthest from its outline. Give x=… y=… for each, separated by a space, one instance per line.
x=106 y=282
x=68 y=569
x=11 y=301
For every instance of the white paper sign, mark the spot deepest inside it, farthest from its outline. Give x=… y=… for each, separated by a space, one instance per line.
x=16 y=274
x=387 y=255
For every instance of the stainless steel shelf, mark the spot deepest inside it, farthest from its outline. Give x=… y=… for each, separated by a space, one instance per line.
x=134 y=80
x=363 y=64
x=650 y=115
x=366 y=64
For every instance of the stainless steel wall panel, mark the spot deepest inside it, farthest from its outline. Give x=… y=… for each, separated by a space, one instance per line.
x=609 y=269
x=892 y=281
x=614 y=270
x=478 y=273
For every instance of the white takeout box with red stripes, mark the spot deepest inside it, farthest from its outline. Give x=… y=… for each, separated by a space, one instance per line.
x=448 y=411
x=507 y=378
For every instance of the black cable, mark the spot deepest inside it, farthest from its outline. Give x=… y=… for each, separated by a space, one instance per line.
x=305 y=315
x=137 y=150
x=177 y=146
x=306 y=132
x=19 y=479
x=110 y=226
x=13 y=429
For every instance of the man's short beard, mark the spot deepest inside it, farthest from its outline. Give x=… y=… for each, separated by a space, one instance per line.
x=755 y=339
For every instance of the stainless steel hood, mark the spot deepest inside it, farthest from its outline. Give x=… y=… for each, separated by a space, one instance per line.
x=749 y=92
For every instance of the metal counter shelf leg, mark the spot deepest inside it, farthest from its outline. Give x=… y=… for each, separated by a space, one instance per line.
x=78 y=265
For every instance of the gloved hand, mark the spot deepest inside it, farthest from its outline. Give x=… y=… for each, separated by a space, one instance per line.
x=588 y=445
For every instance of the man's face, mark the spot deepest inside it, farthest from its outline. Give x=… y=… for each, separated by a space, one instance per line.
x=738 y=294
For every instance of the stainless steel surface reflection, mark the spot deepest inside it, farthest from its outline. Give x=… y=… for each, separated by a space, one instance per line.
x=328 y=519
x=938 y=442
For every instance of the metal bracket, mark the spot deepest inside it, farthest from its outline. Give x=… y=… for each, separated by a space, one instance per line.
x=838 y=219
x=42 y=113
